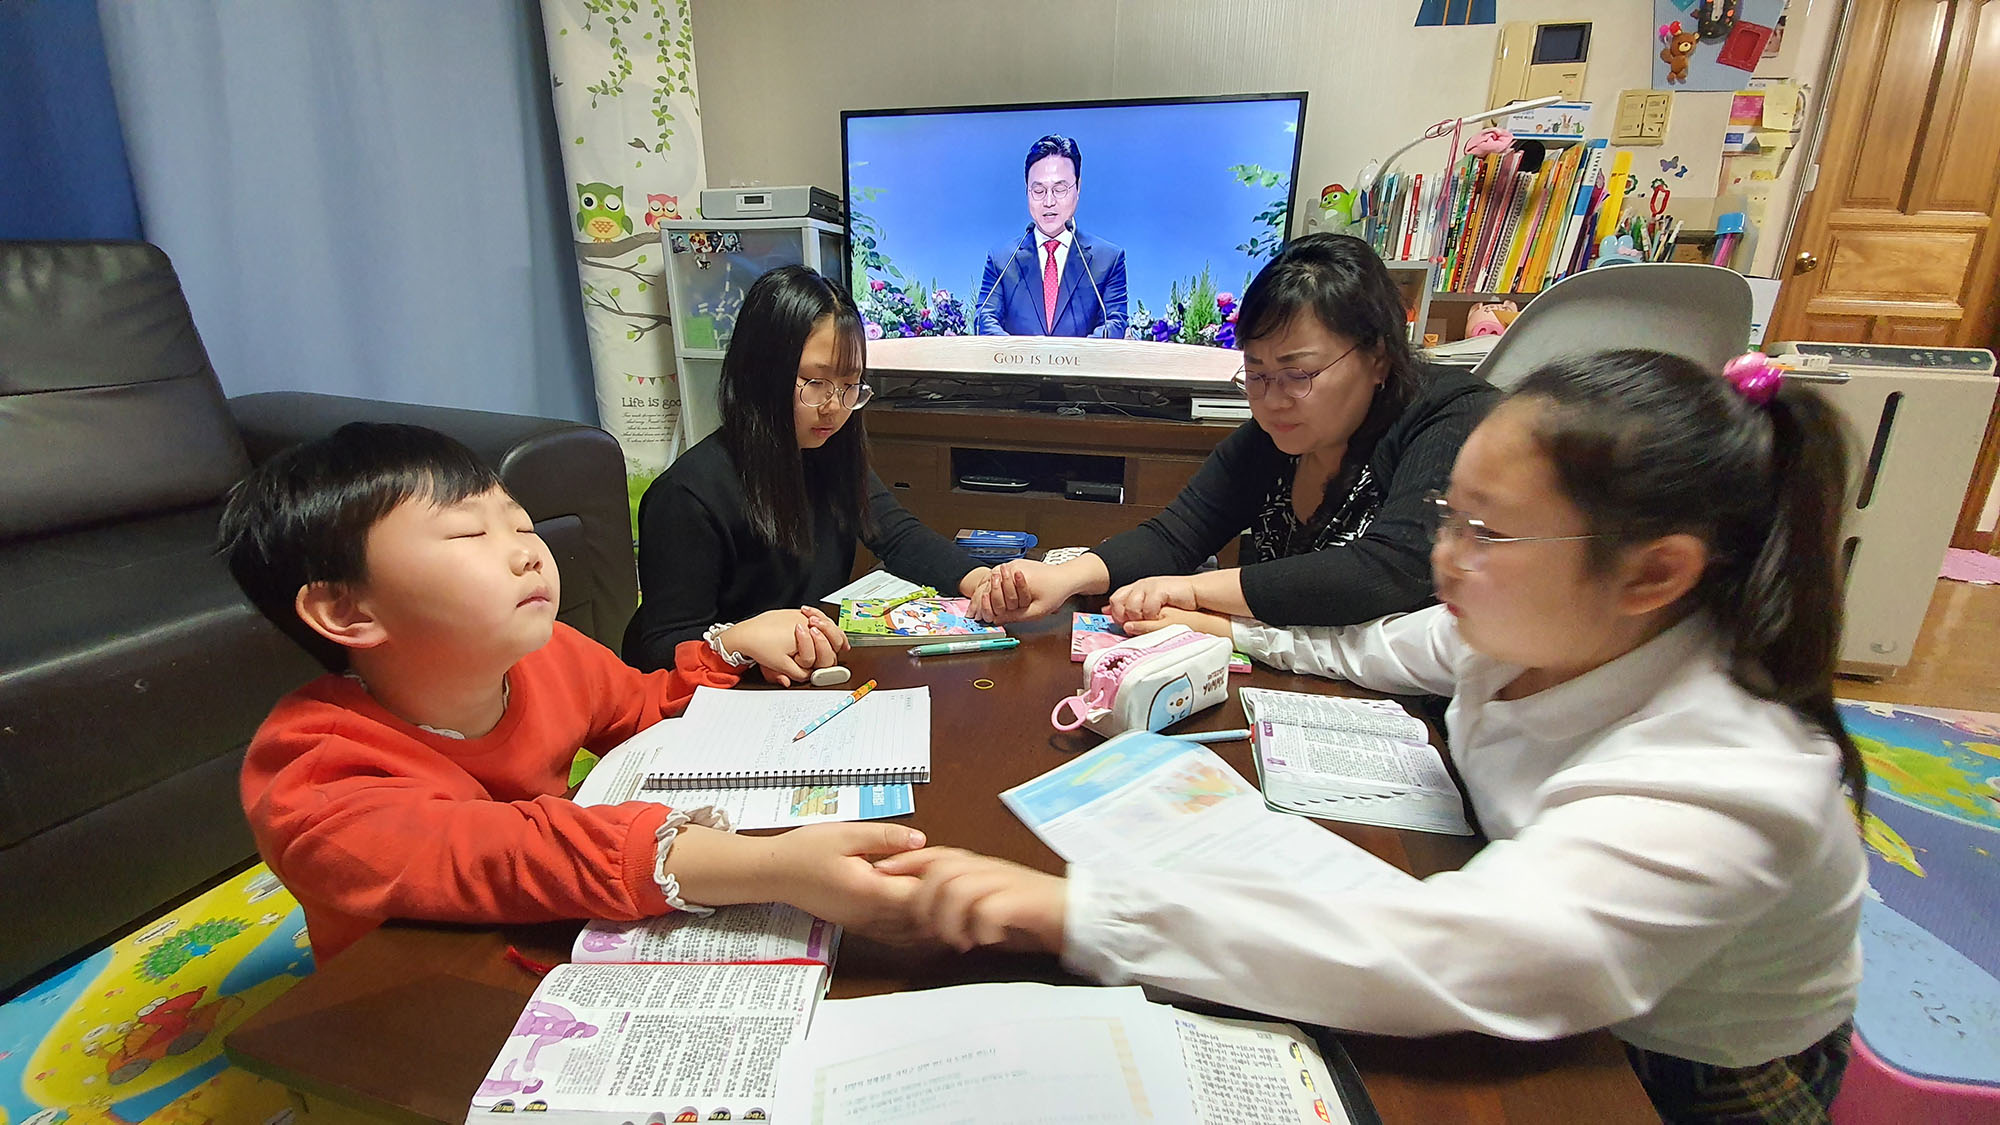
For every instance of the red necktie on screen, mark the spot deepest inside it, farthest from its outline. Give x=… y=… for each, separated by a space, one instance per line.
x=1049 y=284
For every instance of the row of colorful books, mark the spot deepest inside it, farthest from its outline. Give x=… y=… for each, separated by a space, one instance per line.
x=1504 y=228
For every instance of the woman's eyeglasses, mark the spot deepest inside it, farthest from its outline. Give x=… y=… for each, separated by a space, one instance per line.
x=1294 y=383
x=819 y=392
x=1472 y=537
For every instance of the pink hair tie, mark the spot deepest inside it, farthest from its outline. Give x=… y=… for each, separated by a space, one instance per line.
x=1755 y=376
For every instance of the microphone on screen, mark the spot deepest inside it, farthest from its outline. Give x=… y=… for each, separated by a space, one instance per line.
x=1103 y=311
x=1013 y=259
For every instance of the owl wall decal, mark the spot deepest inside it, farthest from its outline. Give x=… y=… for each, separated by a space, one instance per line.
x=600 y=212
x=660 y=208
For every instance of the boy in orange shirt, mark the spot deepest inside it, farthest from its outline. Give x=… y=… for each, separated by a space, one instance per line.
x=424 y=778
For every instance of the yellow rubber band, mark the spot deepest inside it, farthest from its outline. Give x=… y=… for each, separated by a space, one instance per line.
x=982 y=685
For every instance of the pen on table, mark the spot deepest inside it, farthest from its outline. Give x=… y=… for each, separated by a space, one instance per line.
x=1213 y=736
x=853 y=697
x=947 y=648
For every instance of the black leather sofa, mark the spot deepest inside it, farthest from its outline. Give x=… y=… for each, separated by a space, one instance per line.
x=132 y=671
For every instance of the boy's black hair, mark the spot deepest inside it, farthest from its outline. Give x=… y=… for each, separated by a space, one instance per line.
x=1648 y=444
x=784 y=486
x=304 y=515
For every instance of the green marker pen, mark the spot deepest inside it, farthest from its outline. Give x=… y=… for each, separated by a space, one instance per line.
x=989 y=644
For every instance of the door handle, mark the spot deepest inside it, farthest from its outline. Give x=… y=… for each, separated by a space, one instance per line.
x=1806 y=262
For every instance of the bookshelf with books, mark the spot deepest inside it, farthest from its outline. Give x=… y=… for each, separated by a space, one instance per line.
x=1506 y=225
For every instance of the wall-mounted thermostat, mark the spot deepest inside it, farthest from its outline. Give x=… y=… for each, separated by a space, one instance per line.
x=1534 y=60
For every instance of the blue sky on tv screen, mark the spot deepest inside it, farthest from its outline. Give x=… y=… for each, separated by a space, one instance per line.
x=946 y=189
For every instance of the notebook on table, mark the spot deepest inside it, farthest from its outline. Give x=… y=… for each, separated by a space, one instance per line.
x=744 y=739
x=621 y=775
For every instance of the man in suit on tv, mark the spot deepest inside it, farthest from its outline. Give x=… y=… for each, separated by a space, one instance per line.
x=1053 y=280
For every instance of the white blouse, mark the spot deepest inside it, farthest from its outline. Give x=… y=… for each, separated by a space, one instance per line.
x=1671 y=858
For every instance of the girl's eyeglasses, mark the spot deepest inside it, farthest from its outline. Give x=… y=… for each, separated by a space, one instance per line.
x=1294 y=383
x=1448 y=524
x=819 y=392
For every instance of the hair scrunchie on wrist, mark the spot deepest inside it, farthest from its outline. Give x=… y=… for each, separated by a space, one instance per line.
x=1755 y=376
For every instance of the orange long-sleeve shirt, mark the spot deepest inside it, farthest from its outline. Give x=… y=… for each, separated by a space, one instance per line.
x=366 y=817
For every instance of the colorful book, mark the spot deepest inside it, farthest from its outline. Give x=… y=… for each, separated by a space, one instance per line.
x=1517 y=245
x=1517 y=201
x=1586 y=189
x=1089 y=632
x=898 y=622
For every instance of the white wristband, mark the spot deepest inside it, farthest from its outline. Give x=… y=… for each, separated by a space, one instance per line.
x=713 y=635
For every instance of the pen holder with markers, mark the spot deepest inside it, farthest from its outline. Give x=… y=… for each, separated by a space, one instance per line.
x=1148 y=682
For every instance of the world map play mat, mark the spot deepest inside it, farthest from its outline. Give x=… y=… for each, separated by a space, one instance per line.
x=1930 y=989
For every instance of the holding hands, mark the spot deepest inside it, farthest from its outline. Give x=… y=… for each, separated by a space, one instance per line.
x=833 y=871
x=1020 y=589
x=1201 y=621
x=967 y=900
x=787 y=643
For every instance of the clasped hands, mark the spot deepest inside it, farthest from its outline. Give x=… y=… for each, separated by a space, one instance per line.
x=787 y=644
x=1022 y=588
x=926 y=894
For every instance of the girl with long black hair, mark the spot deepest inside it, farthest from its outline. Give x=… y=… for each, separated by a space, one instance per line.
x=763 y=515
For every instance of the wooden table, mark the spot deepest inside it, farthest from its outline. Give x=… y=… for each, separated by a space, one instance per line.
x=404 y=1023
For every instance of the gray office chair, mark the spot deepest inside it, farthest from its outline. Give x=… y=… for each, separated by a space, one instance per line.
x=1701 y=312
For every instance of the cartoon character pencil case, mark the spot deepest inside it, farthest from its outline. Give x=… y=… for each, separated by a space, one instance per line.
x=1147 y=682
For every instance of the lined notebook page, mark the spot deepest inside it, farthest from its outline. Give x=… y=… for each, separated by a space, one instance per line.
x=746 y=737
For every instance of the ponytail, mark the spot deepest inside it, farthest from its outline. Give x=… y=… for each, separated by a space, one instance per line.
x=1648 y=444
x=1784 y=623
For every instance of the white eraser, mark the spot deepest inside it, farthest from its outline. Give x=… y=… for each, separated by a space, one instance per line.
x=830 y=677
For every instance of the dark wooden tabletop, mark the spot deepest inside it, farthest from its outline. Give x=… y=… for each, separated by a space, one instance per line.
x=404 y=1023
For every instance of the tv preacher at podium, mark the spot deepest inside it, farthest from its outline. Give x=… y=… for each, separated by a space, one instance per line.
x=1053 y=280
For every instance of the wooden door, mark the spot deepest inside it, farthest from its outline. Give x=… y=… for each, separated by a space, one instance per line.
x=1897 y=242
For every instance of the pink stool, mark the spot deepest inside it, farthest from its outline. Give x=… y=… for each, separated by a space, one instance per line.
x=1875 y=1093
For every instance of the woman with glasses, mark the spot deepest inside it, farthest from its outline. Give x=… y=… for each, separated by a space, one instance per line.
x=1349 y=433
x=763 y=515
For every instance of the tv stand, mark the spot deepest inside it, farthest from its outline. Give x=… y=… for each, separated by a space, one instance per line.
x=923 y=453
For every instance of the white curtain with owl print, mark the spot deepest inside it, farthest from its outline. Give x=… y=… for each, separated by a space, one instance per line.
x=622 y=74
x=361 y=198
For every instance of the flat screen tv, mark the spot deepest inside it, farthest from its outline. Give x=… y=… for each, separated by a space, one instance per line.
x=1136 y=219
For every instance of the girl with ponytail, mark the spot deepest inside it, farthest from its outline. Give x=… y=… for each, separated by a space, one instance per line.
x=1637 y=560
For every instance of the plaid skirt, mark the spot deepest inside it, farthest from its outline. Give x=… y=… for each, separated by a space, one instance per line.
x=1794 y=1090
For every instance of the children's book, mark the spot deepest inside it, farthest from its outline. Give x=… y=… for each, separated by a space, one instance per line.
x=748 y=739
x=1363 y=761
x=1089 y=632
x=613 y=1043
x=621 y=774
x=1038 y=1052
x=914 y=621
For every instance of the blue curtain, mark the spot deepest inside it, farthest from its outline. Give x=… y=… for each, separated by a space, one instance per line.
x=361 y=198
x=62 y=161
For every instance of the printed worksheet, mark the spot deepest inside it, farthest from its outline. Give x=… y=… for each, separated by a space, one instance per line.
x=1149 y=799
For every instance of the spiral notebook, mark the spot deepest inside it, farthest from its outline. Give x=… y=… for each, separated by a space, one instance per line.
x=736 y=738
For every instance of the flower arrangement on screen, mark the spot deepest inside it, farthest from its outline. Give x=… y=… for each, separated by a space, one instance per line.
x=887 y=310
x=1199 y=316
